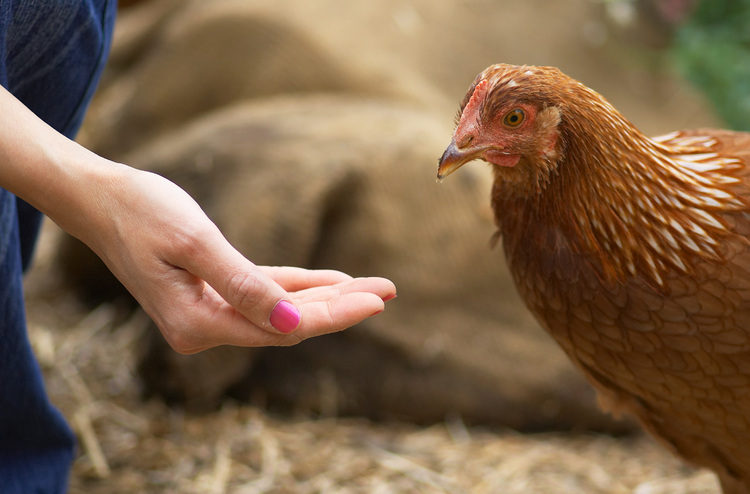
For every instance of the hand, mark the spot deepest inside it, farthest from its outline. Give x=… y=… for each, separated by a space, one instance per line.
x=197 y=288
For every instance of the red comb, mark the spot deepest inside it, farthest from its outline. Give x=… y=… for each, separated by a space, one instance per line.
x=472 y=107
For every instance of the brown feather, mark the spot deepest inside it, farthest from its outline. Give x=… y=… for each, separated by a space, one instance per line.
x=634 y=254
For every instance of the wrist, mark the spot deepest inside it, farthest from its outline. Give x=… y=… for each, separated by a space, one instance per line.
x=80 y=201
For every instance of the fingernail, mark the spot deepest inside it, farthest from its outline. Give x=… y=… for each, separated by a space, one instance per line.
x=377 y=312
x=390 y=297
x=285 y=317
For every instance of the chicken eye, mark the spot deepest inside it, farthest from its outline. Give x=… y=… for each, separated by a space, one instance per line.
x=514 y=118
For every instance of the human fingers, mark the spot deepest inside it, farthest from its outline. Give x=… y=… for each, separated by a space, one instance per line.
x=382 y=287
x=207 y=321
x=337 y=313
x=294 y=279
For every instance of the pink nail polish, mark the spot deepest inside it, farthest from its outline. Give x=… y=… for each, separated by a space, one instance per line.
x=285 y=317
x=389 y=297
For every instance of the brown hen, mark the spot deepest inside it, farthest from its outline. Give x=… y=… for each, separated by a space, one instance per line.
x=633 y=252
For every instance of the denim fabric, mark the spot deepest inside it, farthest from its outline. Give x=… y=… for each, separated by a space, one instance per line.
x=36 y=445
x=51 y=57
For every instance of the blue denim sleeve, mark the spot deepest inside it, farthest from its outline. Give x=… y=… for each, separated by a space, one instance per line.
x=52 y=53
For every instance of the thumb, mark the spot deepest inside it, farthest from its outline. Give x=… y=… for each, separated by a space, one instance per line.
x=243 y=285
x=257 y=297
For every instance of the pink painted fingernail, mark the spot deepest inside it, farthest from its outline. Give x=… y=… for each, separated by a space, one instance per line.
x=285 y=317
x=389 y=297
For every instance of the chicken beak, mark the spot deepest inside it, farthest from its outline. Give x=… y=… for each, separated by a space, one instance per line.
x=453 y=158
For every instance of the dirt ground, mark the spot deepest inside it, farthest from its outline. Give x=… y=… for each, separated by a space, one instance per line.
x=131 y=445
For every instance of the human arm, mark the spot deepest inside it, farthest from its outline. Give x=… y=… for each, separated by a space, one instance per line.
x=198 y=289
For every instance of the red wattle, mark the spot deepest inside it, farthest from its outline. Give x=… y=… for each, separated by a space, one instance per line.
x=502 y=159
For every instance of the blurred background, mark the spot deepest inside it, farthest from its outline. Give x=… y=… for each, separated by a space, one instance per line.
x=309 y=131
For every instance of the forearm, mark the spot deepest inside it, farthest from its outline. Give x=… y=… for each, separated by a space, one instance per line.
x=46 y=169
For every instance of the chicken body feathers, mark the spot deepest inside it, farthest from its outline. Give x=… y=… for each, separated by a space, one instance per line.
x=668 y=340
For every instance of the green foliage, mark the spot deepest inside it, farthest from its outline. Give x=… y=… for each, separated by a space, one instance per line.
x=713 y=51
